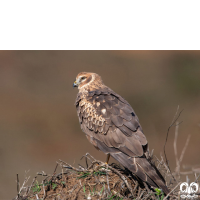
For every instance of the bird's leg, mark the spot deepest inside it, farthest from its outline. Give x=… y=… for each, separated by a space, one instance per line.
x=107 y=159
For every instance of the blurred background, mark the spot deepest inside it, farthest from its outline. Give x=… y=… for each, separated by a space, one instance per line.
x=38 y=120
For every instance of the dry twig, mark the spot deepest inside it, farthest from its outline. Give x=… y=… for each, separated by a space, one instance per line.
x=172 y=191
x=172 y=124
x=184 y=149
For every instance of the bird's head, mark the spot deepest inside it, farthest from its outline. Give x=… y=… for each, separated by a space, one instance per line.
x=87 y=80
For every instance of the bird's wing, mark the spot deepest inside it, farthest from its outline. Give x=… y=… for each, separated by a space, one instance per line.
x=112 y=126
x=109 y=119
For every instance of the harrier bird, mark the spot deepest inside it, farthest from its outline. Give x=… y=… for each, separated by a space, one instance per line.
x=112 y=126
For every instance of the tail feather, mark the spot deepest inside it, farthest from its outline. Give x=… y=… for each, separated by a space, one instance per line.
x=152 y=174
x=143 y=169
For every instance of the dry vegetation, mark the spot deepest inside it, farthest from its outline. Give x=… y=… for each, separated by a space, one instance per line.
x=97 y=180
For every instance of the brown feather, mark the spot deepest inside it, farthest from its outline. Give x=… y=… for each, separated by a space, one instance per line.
x=98 y=92
x=126 y=131
x=90 y=94
x=85 y=120
x=80 y=117
x=141 y=137
x=112 y=126
x=134 y=146
x=133 y=124
x=100 y=129
x=127 y=151
x=117 y=120
x=126 y=108
x=120 y=137
x=105 y=128
x=111 y=136
x=126 y=116
x=96 y=128
x=109 y=97
x=107 y=104
x=100 y=98
x=114 y=110
x=90 y=118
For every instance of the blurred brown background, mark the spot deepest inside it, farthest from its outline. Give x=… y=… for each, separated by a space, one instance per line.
x=38 y=121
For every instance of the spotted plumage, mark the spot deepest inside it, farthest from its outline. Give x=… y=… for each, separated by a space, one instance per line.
x=112 y=126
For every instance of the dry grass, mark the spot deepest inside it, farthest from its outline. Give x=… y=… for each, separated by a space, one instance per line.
x=101 y=181
x=97 y=181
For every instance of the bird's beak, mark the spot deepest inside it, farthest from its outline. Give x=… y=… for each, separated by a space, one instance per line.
x=75 y=84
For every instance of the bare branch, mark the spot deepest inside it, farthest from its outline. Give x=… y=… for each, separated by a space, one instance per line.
x=172 y=191
x=55 y=168
x=184 y=149
x=75 y=169
x=172 y=124
x=107 y=179
x=43 y=190
x=32 y=184
x=175 y=148
x=17 y=185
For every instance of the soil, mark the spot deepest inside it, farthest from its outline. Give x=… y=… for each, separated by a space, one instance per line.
x=97 y=181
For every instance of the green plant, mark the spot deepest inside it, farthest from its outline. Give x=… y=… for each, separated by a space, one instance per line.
x=99 y=173
x=95 y=173
x=85 y=174
x=47 y=183
x=63 y=182
x=54 y=185
x=159 y=193
x=114 y=196
x=94 y=190
x=36 y=187
x=101 y=190
x=84 y=188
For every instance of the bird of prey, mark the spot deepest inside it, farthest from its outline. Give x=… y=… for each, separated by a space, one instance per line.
x=112 y=126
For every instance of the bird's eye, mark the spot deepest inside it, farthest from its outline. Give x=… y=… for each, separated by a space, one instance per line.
x=82 y=78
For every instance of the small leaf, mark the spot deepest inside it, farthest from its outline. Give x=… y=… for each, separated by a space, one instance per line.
x=84 y=188
x=54 y=185
x=102 y=190
x=63 y=182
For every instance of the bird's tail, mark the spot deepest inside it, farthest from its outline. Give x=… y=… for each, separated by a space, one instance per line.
x=143 y=169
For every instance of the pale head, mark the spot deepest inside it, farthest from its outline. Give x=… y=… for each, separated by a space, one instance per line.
x=88 y=80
